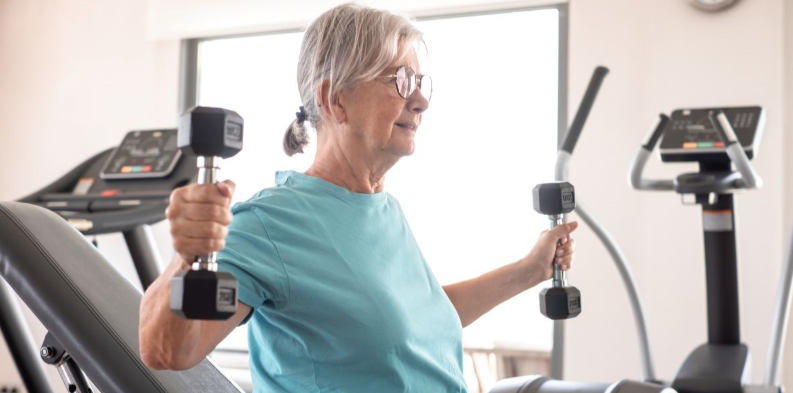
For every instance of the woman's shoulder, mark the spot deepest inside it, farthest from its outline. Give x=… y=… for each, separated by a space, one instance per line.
x=288 y=194
x=266 y=199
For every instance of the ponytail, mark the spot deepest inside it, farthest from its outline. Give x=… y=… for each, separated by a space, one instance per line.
x=295 y=138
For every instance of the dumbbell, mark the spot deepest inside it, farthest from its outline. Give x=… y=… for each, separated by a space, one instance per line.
x=560 y=301
x=202 y=292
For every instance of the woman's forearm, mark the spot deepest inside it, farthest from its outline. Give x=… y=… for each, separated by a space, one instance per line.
x=475 y=297
x=166 y=341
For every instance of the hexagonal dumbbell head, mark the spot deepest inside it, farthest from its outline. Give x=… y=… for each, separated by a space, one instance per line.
x=204 y=294
x=554 y=198
x=210 y=132
x=560 y=303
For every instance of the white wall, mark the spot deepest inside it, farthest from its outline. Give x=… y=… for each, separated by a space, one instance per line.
x=169 y=19
x=788 y=161
x=665 y=55
x=75 y=76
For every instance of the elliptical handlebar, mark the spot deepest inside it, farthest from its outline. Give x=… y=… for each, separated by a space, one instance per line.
x=571 y=136
x=637 y=165
x=749 y=177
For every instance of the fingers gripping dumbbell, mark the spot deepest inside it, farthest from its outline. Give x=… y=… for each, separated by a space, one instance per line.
x=202 y=292
x=560 y=301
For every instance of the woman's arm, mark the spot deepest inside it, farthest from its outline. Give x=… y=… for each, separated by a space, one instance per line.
x=199 y=217
x=168 y=342
x=475 y=297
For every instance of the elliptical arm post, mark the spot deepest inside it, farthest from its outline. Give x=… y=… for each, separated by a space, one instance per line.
x=563 y=157
x=780 y=322
x=751 y=180
x=566 y=147
x=735 y=151
x=623 y=267
x=637 y=165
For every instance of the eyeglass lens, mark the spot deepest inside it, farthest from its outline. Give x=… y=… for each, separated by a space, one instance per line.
x=406 y=83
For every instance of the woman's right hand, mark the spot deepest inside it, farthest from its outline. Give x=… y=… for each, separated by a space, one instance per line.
x=199 y=215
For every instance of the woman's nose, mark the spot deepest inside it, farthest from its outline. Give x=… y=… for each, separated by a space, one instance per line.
x=417 y=103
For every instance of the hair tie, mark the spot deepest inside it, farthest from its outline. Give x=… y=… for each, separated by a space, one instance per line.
x=302 y=115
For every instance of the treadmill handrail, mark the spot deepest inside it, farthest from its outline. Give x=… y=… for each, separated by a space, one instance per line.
x=150 y=211
x=66 y=181
x=67 y=197
x=112 y=221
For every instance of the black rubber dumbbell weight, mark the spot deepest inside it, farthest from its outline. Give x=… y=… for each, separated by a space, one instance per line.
x=202 y=292
x=554 y=200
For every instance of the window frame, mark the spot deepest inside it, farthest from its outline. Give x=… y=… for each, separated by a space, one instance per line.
x=188 y=95
x=188 y=63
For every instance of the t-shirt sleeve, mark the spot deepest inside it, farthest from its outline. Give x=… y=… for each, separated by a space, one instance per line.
x=253 y=259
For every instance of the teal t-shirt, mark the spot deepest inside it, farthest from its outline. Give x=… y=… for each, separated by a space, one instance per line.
x=343 y=299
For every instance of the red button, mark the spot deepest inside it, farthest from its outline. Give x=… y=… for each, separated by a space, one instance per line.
x=109 y=193
x=718 y=144
x=147 y=168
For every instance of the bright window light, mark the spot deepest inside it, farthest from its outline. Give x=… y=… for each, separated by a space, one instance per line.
x=489 y=136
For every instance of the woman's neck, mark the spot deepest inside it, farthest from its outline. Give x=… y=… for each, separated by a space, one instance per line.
x=354 y=172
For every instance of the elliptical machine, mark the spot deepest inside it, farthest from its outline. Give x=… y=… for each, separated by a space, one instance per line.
x=716 y=139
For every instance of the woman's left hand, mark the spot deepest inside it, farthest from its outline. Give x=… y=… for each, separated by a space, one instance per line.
x=554 y=246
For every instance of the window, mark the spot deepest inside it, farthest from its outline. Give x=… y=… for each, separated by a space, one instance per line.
x=489 y=136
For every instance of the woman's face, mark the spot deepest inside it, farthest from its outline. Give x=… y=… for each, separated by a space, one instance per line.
x=379 y=118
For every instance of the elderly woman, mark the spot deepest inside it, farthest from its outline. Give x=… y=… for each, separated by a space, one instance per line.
x=336 y=292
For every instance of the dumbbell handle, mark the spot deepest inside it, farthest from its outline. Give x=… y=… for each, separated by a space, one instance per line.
x=207 y=174
x=559 y=276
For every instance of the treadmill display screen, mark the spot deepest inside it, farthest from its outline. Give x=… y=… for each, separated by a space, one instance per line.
x=143 y=154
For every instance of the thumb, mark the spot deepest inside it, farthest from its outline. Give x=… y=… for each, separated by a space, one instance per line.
x=560 y=232
x=227 y=188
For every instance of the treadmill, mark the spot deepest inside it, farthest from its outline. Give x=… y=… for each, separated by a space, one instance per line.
x=123 y=189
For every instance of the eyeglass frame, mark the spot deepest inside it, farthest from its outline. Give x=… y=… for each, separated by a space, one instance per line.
x=419 y=78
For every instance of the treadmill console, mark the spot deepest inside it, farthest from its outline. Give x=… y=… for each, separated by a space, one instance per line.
x=689 y=135
x=122 y=187
x=143 y=154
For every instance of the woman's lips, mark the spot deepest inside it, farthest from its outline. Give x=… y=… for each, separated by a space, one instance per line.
x=409 y=125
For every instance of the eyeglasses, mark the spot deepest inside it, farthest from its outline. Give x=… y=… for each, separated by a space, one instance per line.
x=407 y=81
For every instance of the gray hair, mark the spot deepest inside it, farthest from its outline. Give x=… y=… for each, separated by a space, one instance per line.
x=346 y=45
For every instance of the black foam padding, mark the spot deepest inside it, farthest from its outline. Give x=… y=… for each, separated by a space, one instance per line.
x=86 y=303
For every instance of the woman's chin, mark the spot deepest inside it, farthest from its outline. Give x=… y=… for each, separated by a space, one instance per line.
x=404 y=149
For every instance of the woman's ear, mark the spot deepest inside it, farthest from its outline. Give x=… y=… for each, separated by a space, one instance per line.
x=330 y=104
